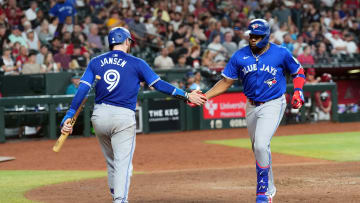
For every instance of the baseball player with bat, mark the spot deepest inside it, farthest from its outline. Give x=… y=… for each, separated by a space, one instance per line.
x=261 y=66
x=116 y=93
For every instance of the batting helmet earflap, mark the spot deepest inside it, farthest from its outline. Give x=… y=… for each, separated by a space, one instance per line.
x=118 y=35
x=260 y=27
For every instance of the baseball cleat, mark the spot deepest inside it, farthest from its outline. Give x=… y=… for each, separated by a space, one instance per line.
x=265 y=198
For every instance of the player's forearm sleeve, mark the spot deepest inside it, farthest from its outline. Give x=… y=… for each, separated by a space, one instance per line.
x=299 y=80
x=169 y=89
x=79 y=96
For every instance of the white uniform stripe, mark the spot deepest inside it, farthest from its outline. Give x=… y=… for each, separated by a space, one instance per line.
x=225 y=76
x=86 y=83
x=154 y=82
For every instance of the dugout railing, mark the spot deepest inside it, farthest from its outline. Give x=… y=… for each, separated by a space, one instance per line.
x=160 y=112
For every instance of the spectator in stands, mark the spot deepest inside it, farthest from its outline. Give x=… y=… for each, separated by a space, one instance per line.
x=13 y=13
x=288 y=43
x=339 y=45
x=4 y=41
x=54 y=23
x=306 y=57
x=190 y=81
x=32 y=42
x=310 y=76
x=229 y=45
x=43 y=33
x=85 y=25
x=163 y=61
x=15 y=52
x=50 y=65
x=55 y=45
x=63 y=58
x=73 y=87
x=30 y=13
x=7 y=64
x=180 y=35
x=16 y=36
x=40 y=16
x=279 y=34
x=199 y=33
x=282 y=14
x=208 y=61
x=44 y=50
x=351 y=47
x=63 y=9
x=194 y=60
x=26 y=26
x=30 y=66
x=199 y=81
x=79 y=60
x=94 y=39
x=181 y=61
x=322 y=56
x=323 y=100
x=217 y=49
x=77 y=32
x=138 y=28
x=114 y=20
x=171 y=50
x=22 y=57
x=299 y=46
x=99 y=17
x=216 y=32
x=176 y=22
x=68 y=25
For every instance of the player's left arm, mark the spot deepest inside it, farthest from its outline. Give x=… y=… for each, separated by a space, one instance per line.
x=297 y=72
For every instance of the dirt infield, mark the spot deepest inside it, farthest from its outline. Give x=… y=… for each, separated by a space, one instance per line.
x=179 y=167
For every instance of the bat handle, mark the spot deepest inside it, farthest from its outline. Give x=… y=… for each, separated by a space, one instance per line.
x=59 y=143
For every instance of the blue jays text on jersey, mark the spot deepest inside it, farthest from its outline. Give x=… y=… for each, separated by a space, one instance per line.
x=253 y=67
x=263 y=78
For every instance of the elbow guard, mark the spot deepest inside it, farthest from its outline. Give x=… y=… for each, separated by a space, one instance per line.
x=299 y=80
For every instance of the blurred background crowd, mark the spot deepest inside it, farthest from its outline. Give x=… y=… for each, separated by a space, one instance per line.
x=62 y=35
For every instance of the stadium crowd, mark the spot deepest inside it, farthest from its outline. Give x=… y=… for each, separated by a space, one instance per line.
x=62 y=35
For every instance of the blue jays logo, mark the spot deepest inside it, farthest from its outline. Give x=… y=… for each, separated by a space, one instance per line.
x=271 y=82
x=254 y=26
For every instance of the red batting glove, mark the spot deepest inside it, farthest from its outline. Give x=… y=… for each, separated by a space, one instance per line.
x=297 y=99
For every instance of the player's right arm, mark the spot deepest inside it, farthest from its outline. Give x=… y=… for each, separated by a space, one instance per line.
x=85 y=84
x=219 y=88
x=230 y=74
x=153 y=80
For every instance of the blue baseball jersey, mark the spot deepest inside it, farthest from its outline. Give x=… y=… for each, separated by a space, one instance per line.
x=62 y=10
x=121 y=75
x=263 y=80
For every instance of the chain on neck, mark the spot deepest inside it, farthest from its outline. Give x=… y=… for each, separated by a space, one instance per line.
x=262 y=51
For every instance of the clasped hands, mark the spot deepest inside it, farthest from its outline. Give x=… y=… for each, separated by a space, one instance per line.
x=196 y=98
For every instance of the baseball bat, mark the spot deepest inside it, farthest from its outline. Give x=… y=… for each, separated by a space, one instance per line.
x=59 y=143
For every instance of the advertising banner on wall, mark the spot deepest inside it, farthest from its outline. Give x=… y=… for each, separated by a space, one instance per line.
x=164 y=115
x=228 y=105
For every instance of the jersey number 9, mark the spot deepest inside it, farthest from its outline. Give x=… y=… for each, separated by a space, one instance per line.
x=112 y=77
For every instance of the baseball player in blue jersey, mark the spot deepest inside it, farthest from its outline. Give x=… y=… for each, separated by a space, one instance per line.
x=116 y=93
x=261 y=66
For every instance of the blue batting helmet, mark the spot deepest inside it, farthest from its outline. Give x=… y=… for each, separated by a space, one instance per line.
x=118 y=35
x=260 y=27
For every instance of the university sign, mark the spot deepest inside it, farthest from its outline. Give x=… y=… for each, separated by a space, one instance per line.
x=228 y=105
